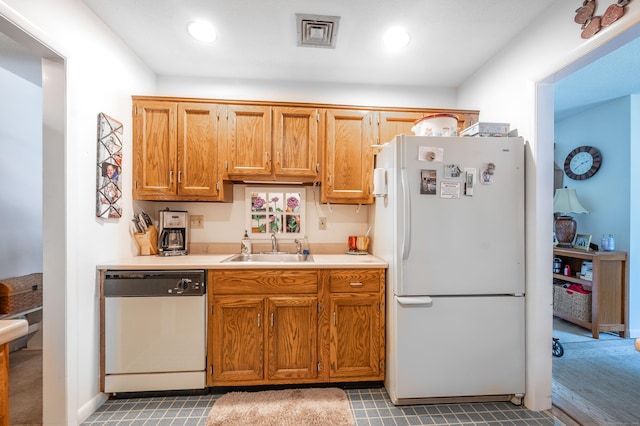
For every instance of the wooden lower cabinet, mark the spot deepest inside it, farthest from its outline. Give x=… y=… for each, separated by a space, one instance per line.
x=355 y=336
x=295 y=326
x=238 y=338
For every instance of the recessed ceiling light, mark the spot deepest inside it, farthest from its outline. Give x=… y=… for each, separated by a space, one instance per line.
x=396 y=38
x=202 y=31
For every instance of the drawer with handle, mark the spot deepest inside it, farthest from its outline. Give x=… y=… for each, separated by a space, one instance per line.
x=350 y=280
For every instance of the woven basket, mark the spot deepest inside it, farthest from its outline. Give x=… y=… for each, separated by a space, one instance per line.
x=20 y=293
x=567 y=302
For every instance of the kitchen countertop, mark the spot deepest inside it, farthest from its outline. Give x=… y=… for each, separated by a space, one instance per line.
x=12 y=329
x=214 y=261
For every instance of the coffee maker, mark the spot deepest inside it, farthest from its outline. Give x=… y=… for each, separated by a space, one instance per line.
x=173 y=237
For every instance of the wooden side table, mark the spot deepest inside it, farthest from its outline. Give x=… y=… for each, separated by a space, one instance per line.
x=609 y=288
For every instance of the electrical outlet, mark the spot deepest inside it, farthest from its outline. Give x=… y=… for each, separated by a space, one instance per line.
x=322 y=224
x=197 y=221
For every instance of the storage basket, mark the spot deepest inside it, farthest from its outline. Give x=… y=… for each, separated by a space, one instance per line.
x=572 y=303
x=20 y=293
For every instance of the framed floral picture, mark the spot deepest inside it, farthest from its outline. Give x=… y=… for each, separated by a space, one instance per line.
x=109 y=168
x=277 y=210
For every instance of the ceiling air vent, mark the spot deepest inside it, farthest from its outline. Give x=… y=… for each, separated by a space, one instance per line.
x=317 y=30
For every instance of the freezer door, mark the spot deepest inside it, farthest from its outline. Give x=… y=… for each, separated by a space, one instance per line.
x=458 y=346
x=460 y=244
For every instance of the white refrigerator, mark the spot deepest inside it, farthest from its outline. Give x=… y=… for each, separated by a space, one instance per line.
x=451 y=227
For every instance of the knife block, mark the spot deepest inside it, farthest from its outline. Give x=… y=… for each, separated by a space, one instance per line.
x=147 y=241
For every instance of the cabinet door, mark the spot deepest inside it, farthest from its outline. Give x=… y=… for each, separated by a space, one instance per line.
x=198 y=150
x=292 y=338
x=249 y=142
x=347 y=176
x=295 y=142
x=355 y=336
x=238 y=348
x=391 y=124
x=155 y=149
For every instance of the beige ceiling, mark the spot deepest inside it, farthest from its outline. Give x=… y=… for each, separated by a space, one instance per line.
x=257 y=38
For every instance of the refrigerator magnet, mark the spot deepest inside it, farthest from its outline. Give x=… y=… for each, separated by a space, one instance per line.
x=430 y=153
x=428 y=179
x=486 y=177
x=452 y=171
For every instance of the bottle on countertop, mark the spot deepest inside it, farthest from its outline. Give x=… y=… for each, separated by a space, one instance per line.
x=245 y=244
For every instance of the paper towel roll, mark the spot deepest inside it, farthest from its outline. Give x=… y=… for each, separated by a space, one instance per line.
x=379 y=182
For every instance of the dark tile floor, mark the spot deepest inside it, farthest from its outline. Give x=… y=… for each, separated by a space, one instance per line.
x=370 y=406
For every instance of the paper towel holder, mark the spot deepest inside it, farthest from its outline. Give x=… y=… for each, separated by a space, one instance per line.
x=380 y=182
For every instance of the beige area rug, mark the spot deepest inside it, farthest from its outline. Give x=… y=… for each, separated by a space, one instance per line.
x=299 y=407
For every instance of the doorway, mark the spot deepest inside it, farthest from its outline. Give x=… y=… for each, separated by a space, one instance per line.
x=54 y=247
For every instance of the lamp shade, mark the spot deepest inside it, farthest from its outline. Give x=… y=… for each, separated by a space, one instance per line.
x=566 y=201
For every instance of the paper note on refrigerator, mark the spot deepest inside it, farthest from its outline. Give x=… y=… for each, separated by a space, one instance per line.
x=450 y=189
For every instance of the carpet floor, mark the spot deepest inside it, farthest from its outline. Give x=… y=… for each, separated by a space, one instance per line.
x=596 y=381
x=289 y=407
x=25 y=387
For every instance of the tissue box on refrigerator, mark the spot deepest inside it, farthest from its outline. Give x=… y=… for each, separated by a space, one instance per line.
x=486 y=129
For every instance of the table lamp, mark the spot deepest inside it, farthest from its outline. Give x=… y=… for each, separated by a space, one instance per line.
x=565 y=202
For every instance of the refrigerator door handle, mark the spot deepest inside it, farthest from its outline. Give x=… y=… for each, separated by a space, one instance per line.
x=413 y=301
x=406 y=204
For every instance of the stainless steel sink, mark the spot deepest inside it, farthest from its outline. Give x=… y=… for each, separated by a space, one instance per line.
x=270 y=257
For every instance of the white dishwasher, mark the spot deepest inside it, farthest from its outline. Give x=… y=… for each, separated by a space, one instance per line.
x=155 y=330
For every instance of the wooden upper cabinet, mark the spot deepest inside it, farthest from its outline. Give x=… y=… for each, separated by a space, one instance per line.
x=155 y=149
x=272 y=143
x=391 y=124
x=295 y=142
x=176 y=152
x=248 y=142
x=198 y=150
x=348 y=157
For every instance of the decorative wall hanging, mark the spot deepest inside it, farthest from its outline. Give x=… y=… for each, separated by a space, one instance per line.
x=109 y=168
x=592 y=24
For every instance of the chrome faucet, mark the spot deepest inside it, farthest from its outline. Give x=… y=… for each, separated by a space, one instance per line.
x=298 y=246
x=274 y=242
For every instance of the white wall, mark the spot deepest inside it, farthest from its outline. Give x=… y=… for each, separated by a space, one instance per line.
x=606 y=194
x=285 y=91
x=21 y=175
x=517 y=87
x=101 y=75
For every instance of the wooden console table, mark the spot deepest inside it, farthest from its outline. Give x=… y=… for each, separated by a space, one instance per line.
x=608 y=288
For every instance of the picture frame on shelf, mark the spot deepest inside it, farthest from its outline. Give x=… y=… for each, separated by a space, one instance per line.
x=582 y=242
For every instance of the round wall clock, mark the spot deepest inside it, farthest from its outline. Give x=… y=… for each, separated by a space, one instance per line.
x=582 y=163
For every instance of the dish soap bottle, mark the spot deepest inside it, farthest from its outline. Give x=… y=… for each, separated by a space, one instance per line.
x=245 y=244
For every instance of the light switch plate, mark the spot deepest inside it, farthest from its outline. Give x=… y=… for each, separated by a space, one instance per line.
x=197 y=221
